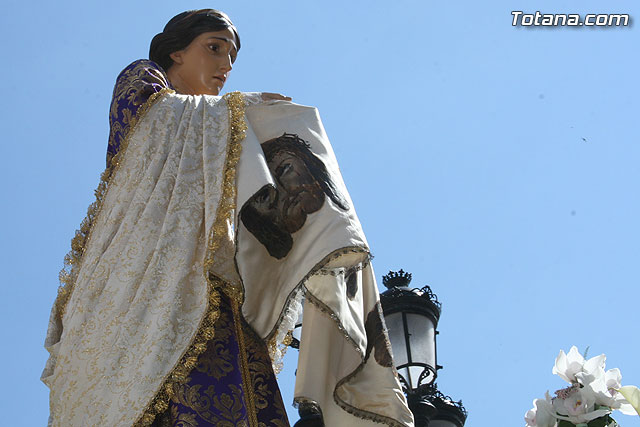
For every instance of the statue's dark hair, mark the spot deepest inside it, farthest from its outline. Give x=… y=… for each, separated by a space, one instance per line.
x=297 y=146
x=183 y=28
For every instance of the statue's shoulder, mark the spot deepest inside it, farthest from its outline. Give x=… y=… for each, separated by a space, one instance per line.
x=135 y=84
x=141 y=75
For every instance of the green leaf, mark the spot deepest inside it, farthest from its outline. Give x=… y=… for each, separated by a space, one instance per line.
x=598 y=422
x=601 y=422
x=632 y=394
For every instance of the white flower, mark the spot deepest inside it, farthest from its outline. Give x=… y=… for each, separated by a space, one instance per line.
x=594 y=393
x=605 y=386
x=577 y=405
x=542 y=413
x=569 y=365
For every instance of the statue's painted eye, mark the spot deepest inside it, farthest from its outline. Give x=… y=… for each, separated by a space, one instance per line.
x=284 y=168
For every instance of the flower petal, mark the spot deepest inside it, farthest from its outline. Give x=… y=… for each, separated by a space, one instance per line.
x=585 y=418
x=560 y=366
x=595 y=364
x=632 y=394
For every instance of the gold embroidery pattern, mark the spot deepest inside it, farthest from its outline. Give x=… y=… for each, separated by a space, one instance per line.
x=73 y=259
x=229 y=406
x=261 y=373
x=244 y=367
x=217 y=363
x=133 y=86
x=183 y=420
x=206 y=331
x=222 y=364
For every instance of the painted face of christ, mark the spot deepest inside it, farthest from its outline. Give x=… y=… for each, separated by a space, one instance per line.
x=299 y=194
x=273 y=214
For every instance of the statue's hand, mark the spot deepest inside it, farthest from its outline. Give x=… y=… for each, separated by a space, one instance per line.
x=268 y=96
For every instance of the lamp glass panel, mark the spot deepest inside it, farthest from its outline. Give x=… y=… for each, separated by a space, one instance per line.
x=396 y=336
x=422 y=338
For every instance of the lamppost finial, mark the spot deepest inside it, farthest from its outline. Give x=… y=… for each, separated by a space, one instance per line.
x=396 y=279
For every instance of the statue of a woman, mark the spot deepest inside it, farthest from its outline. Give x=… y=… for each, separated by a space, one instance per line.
x=174 y=302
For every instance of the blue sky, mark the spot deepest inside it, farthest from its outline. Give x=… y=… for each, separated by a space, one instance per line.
x=497 y=164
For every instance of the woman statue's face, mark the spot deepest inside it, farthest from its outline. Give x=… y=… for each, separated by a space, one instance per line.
x=202 y=67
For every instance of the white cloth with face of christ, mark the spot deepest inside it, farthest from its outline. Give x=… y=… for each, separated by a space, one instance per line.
x=297 y=233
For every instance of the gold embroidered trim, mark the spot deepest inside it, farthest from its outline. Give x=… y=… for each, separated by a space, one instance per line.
x=226 y=206
x=250 y=398
x=277 y=351
x=237 y=132
x=315 y=270
x=73 y=259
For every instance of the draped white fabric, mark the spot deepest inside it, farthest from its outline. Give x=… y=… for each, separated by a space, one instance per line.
x=328 y=262
x=141 y=294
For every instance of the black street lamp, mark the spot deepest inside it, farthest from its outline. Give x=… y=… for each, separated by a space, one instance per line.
x=412 y=318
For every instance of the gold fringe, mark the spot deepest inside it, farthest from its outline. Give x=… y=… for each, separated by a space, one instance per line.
x=227 y=205
x=206 y=331
x=250 y=398
x=275 y=348
x=73 y=259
